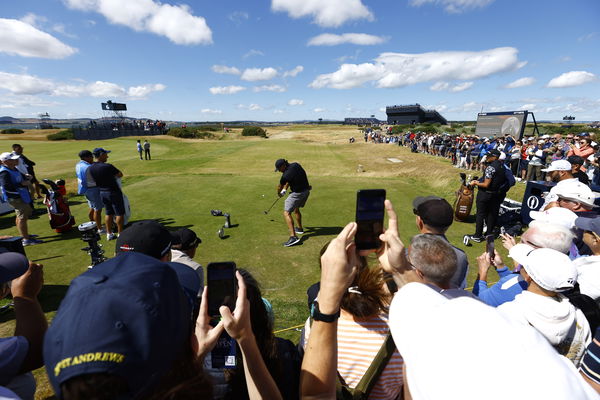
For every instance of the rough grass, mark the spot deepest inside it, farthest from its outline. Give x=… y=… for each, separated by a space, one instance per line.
x=188 y=178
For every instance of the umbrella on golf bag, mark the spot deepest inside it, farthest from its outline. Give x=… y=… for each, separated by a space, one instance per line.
x=59 y=213
x=464 y=200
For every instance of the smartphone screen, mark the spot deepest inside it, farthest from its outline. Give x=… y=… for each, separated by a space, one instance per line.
x=370 y=211
x=221 y=283
x=489 y=246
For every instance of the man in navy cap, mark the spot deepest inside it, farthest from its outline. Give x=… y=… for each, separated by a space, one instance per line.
x=105 y=177
x=22 y=353
x=490 y=195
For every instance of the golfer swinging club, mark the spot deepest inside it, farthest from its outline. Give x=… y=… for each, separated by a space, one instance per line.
x=294 y=176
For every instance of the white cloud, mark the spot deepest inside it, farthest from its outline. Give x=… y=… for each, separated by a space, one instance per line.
x=565 y=59
x=226 y=89
x=587 y=37
x=572 y=78
x=295 y=102
x=529 y=107
x=173 y=22
x=293 y=72
x=23 y=84
x=210 y=111
x=144 y=90
x=521 y=82
x=461 y=87
x=277 y=111
x=20 y=38
x=330 y=13
x=439 y=86
x=269 y=88
x=34 y=19
x=254 y=107
x=253 y=52
x=238 y=17
x=223 y=69
x=258 y=74
x=454 y=6
x=392 y=70
x=318 y=110
x=330 y=39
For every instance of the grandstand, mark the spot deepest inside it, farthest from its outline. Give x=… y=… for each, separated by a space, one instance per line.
x=412 y=114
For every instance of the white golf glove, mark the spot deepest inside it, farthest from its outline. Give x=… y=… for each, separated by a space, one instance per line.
x=282 y=193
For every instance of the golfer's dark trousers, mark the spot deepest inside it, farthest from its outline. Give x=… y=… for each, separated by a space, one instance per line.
x=488 y=207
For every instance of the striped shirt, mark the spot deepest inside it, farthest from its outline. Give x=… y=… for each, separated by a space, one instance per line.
x=359 y=341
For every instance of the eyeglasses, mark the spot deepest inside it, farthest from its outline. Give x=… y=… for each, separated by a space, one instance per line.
x=583 y=142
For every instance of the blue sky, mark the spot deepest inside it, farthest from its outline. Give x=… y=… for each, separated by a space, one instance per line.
x=299 y=59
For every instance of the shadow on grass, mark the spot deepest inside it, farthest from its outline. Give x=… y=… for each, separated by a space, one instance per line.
x=310 y=231
x=72 y=234
x=50 y=298
x=167 y=222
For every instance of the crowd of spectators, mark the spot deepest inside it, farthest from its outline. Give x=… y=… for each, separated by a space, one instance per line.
x=393 y=323
x=385 y=323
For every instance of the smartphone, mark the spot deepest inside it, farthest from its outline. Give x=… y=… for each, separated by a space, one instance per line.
x=489 y=246
x=370 y=211
x=222 y=287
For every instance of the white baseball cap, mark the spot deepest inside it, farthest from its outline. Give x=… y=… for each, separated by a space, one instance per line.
x=558 y=165
x=555 y=215
x=431 y=332
x=576 y=191
x=8 y=156
x=550 y=269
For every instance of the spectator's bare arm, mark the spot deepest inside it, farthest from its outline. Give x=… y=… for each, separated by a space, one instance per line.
x=392 y=255
x=206 y=336
x=319 y=366
x=31 y=321
x=260 y=383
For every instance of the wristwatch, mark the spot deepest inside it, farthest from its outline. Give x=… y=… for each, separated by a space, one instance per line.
x=318 y=316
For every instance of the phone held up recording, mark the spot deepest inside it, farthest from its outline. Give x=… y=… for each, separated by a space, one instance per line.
x=222 y=290
x=370 y=211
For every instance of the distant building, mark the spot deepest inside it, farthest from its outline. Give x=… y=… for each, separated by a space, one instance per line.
x=412 y=114
x=361 y=121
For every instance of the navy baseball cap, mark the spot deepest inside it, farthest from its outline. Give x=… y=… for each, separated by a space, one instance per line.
x=127 y=316
x=99 y=150
x=494 y=153
x=279 y=163
x=588 y=224
x=85 y=154
x=434 y=211
x=184 y=239
x=147 y=237
x=12 y=265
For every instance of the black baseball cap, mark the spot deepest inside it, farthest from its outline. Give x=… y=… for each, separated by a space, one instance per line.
x=85 y=154
x=434 y=211
x=184 y=239
x=494 y=153
x=147 y=237
x=575 y=160
x=279 y=163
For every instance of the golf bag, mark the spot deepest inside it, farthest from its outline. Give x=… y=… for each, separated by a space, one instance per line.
x=59 y=212
x=464 y=200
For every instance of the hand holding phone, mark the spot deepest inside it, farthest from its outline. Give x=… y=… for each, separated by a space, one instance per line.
x=222 y=287
x=369 y=218
x=489 y=247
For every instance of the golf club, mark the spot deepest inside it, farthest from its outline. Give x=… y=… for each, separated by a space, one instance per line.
x=276 y=200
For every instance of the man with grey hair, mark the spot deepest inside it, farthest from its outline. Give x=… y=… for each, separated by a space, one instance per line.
x=434 y=263
x=539 y=235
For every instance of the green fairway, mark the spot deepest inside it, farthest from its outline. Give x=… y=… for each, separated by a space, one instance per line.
x=186 y=179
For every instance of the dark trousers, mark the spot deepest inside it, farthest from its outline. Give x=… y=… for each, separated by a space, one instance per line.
x=147 y=154
x=488 y=207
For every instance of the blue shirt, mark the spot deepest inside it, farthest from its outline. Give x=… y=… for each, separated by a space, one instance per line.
x=506 y=289
x=80 y=170
x=10 y=180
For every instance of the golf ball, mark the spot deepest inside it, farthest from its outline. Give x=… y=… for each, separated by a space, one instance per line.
x=263 y=195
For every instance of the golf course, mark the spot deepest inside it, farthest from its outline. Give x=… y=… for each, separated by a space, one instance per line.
x=187 y=178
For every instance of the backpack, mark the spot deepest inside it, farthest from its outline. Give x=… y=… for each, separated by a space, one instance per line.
x=364 y=387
